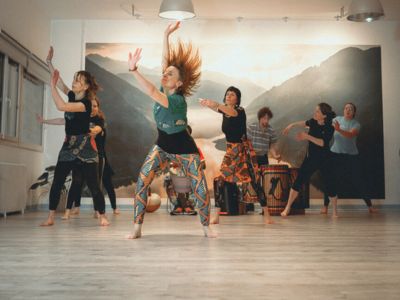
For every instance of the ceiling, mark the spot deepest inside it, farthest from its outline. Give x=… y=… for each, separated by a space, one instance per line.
x=205 y=9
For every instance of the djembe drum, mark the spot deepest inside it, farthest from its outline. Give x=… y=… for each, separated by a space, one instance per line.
x=276 y=185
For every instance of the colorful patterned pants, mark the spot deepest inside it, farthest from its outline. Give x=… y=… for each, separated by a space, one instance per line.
x=156 y=160
x=240 y=165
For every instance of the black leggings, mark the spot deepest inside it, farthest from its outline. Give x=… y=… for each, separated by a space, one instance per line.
x=312 y=164
x=88 y=170
x=105 y=175
x=349 y=167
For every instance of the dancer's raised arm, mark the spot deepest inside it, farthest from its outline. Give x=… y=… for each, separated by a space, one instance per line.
x=165 y=55
x=147 y=87
x=59 y=102
x=60 y=83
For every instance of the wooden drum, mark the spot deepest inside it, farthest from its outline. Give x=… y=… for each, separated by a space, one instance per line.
x=276 y=185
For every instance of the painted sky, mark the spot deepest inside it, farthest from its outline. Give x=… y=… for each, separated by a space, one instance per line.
x=264 y=65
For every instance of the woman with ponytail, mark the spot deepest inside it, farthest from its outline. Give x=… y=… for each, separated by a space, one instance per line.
x=318 y=155
x=79 y=151
x=181 y=74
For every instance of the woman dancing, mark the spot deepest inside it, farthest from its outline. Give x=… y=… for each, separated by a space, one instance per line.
x=98 y=130
x=234 y=167
x=181 y=73
x=79 y=152
x=345 y=154
x=318 y=155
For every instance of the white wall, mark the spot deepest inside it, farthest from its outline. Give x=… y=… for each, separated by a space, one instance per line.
x=27 y=23
x=69 y=37
x=30 y=27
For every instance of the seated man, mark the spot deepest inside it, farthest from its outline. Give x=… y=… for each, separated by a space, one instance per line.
x=184 y=204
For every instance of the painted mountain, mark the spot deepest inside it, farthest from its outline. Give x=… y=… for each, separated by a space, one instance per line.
x=349 y=75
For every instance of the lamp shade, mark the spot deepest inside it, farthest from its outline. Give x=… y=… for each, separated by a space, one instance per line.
x=365 y=10
x=177 y=9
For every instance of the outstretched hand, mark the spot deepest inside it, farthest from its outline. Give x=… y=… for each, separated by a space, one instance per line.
x=54 y=78
x=172 y=27
x=50 y=54
x=134 y=58
x=286 y=130
x=208 y=103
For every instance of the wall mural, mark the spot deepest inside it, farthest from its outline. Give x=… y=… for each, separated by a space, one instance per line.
x=290 y=79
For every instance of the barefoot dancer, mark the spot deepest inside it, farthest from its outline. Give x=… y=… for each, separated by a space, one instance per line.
x=318 y=155
x=105 y=171
x=345 y=154
x=97 y=130
x=181 y=73
x=78 y=151
x=234 y=167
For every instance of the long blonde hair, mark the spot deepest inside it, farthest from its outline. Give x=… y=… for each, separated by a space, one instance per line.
x=187 y=60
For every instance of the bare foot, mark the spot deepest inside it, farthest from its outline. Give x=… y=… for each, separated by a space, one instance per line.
x=66 y=215
x=50 y=219
x=214 y=219
x=48 y=222
x=116 y=211
x=373 y=210
x=324 y=210
x=267 y=217
x=75 y=211
x=96 y=215
x=335 y=215
x=285 y=212
x=103 y=220
x=209 y=233
x=268 y=220
x=137 y=232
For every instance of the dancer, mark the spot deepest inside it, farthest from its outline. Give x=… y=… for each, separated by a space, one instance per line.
x=97 y=130
x=345 y=154
x=318 y=155
x=235 y=165
x=78 y=152
x=181 y=73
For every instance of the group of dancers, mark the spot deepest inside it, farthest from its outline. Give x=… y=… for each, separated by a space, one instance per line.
x=83 y=150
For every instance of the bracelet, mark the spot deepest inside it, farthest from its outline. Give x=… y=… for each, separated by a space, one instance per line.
x=134 y=69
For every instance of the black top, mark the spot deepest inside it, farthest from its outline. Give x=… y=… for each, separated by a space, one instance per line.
x=234 y=127
x=324 y=132
x=176 y=143
x=101 y=137
x=77 y=123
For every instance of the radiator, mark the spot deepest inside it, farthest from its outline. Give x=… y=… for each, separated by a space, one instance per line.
x=13 y=188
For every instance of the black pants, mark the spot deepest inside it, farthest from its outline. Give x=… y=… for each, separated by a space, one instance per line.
x=105 y=177
x=322 y=163
x=88 y=170
x=348 y=167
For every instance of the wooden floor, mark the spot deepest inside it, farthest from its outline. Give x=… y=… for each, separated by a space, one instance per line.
x=302 y=257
